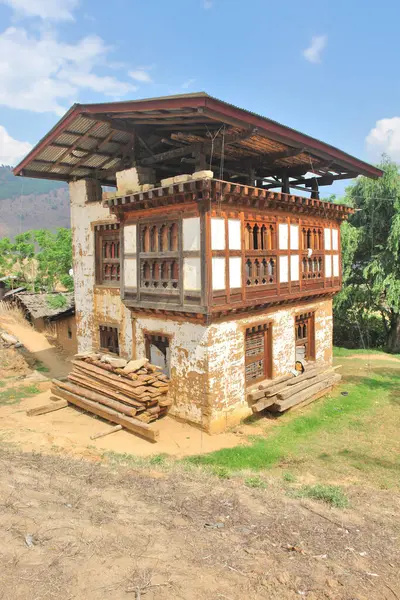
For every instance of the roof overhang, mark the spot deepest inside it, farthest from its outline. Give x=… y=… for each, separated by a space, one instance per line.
x=97 y=140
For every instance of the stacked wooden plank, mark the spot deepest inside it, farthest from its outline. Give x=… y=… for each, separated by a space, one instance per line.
x=287 y=391
x=131 y=394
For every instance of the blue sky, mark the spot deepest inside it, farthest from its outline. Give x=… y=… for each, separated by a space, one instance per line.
x=328 y=70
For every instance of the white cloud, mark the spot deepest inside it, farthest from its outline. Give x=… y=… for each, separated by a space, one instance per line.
x=41 y=74
x=53 y=10
x=314 y=51
x=11 y=151
x=207 y=4
x=140 y=75
x=187 y=84
x=385 y=138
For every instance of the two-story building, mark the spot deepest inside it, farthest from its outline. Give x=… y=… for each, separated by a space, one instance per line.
x=206 y=258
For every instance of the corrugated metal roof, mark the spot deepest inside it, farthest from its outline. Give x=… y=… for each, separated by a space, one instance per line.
x=169 y=111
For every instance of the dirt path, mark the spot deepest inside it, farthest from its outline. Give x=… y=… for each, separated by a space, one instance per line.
x=76 y=529
x=69 y=431
x=38 y=346
x=374 y=357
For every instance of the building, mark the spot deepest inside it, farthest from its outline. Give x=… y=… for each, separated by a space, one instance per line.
x=206 y=258
x=55 y=319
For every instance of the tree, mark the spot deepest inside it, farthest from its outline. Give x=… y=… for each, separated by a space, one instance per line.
x=54 y=258
x=371 y=253
x=39 y=259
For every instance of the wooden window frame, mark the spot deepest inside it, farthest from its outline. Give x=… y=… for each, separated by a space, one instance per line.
x=104 y=234
x=115 y=329
x=147 y=341
x=308 y=319
x=265 y=356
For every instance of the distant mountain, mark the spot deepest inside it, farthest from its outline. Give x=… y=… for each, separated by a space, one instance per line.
x=31 y=204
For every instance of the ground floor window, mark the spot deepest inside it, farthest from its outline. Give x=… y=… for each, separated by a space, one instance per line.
x=109 y=339
x=158 y=351
x=258 y=353
x=305 y=341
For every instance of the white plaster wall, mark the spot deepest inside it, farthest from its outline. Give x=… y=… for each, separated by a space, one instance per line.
x=189 y=363
x=94 y=304
x=208 y=362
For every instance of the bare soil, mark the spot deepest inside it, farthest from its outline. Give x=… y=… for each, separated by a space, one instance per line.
x=79 y=529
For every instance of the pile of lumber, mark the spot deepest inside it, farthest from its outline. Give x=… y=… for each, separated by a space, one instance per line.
x=131 y=394
x=288 y=391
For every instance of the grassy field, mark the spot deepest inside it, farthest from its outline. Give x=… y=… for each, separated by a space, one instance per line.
x=342 y=438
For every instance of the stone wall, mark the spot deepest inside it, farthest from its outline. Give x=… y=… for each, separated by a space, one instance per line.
x=94 y=304
x=207 y=363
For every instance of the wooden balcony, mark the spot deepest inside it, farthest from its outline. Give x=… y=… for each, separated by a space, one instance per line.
x=197 y=255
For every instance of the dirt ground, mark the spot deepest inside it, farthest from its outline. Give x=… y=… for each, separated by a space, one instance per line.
x=78 y=529
x=85 y=518
x=37 y=344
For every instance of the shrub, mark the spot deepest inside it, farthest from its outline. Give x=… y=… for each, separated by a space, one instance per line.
x=331 y=494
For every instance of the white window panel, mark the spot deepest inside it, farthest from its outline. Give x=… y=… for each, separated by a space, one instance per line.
x=328 y=265
x=130 y=239
x=294 y=267
x=234 y=234
x=191 y=274
x=294 y=237
x=283 y=269
x=336 y=265
x=235 y=272
x=218 y=234
x=218 y=273
x=130 y=272
x=327 y=237
x=335 y=239
x=191 y=234
x=283 y=236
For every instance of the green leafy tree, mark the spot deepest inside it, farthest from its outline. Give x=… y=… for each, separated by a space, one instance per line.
x=54 y=258
x=39 y=259
x=371 y=254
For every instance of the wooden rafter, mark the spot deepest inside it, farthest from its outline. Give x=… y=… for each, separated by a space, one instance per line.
x=92 y=151
x=74 y=146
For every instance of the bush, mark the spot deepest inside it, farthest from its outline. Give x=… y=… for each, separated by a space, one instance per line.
x=331 y=494
x=362 y=332
x=255 y=482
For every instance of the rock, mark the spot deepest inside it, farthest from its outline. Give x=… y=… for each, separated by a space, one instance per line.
x=203 y=175
x=9 y=339
x=167 y=181
x=117 y=363
x=88 y=354
x=135 y=365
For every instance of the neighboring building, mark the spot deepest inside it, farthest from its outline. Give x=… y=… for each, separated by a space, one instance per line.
x=58 y=322
x=223 y=281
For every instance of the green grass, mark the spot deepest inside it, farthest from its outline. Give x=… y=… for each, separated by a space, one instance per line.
x=297 y=436
x=330 y=494
x=39 y=366
x=339 y=352
x=255 y=482
x=15 y=395
x=289 y=477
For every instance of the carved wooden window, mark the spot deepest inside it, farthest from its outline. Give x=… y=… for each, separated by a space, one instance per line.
x=312 y=237
x=159 y=256
x=312 y=267
x=260 y=253
x=107 y=245
x=109 y=339
x=257 y=354
x=304 y=334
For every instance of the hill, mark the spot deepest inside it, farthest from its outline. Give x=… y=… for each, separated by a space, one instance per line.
x=31 y=204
